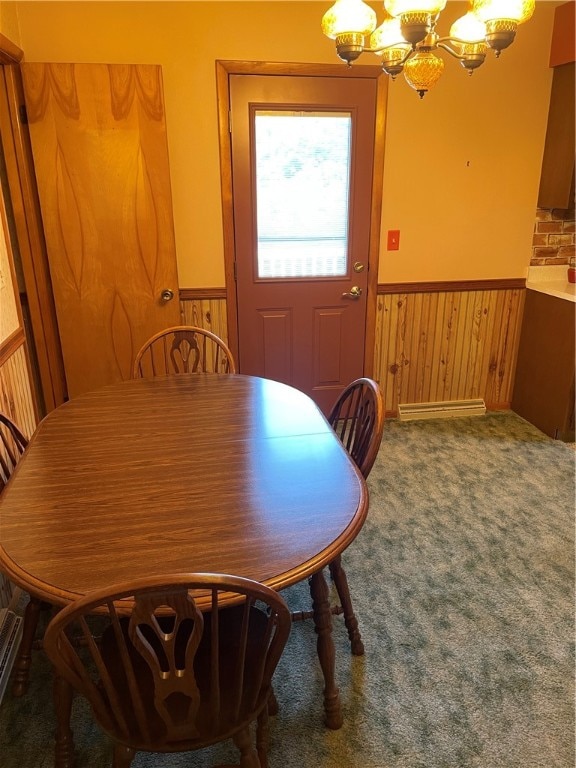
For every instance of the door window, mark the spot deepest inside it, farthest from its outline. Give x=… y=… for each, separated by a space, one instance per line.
x=302 y=193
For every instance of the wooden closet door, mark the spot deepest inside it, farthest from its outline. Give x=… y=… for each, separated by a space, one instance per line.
x=98 y=137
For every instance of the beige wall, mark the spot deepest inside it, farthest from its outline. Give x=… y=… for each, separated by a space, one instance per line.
x=9 y=21
x=461 y=168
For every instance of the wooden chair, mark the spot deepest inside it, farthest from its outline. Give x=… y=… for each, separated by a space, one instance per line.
x=12 y=446
x=183 y=349
x=357 y=417
x=163 y=677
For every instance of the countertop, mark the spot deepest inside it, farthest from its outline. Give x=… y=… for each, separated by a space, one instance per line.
x=552 y=280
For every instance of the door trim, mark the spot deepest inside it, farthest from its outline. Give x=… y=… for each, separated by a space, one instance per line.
x=223 y=71
x=48 y=376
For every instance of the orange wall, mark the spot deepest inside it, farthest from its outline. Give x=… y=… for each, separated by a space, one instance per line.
x=9 y=21
x=462 y=166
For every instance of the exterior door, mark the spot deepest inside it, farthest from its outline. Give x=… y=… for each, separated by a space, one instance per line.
x=98 y=137
x=302 y=172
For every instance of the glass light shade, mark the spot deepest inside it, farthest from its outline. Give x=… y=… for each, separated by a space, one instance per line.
x=388 y=35
x=398 y=7
x=517 y=10
x=468 y=28
x=348 y=16
x=423 y=71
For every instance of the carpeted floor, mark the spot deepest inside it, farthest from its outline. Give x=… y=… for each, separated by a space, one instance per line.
x=463 y=584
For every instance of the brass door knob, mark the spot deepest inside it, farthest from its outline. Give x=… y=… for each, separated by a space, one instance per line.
x=354 y=293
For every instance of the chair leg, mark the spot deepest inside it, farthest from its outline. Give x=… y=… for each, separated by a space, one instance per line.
x=272 y=703
x=248 y=755
x=263 y=738
x=23 y=661
x=64 y=756
x=339 y=578
x=123 y=756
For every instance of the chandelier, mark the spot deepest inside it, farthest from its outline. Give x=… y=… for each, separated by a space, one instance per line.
x=407 y=40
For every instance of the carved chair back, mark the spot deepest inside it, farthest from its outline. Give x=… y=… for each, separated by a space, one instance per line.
x=12 y=446
x=163 y=676
x=183 y=349
x=357 y=417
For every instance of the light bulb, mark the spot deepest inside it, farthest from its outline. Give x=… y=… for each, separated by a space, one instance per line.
x=516 y=10
x=388 y=35
x=398 y=7
x=387 y=42
x=468 y=28
x=348 y=16
x=468 y=36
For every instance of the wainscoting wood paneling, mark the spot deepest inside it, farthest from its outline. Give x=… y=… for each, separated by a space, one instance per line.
x=16 y=399
x=447 y=345
x=17 y=403
x=198 y=308
x=431 y=345
x=442 y=345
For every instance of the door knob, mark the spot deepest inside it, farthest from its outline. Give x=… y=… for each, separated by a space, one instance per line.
x=167 y=295
x=354 y=293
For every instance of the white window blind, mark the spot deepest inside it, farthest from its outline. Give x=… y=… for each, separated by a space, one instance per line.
x=302 y=192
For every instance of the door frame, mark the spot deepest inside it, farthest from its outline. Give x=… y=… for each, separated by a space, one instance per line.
x=47 y=373
x=223 y=71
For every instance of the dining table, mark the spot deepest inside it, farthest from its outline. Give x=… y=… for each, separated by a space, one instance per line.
x=176 y=474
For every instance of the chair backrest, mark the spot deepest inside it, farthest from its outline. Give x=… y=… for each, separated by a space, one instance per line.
x=357 y=417
x=12 y=446
x=183 y=349
x=163 y=676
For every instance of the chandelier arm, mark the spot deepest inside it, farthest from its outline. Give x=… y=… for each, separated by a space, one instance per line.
x=404 y=58
x=444 y=43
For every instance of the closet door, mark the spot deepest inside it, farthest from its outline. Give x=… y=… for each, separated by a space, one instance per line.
x=98 y=137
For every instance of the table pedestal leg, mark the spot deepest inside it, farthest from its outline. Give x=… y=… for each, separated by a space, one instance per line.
x=64 y=749
x=326 y=650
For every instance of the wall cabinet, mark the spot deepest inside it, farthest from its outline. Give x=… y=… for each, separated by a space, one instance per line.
x=557 y=179
x=544 y=384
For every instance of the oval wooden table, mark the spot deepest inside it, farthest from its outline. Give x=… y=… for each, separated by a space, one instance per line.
x=215 y=473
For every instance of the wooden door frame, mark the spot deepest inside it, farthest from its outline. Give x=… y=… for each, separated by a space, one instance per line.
x=30 y=232
x=223 y=71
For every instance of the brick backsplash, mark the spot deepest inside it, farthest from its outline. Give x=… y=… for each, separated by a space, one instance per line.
x=554 y=237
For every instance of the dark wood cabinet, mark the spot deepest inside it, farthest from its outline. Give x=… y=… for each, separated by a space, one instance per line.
x=557 y=178
x=544 y=383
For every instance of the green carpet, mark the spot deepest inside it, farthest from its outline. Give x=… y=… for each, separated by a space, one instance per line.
x=463 y=584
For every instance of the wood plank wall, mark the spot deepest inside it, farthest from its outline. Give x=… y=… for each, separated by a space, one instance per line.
x=431 y=345
x=447 y=345
x=16 y=402
x=207 y=309
x=16 y=399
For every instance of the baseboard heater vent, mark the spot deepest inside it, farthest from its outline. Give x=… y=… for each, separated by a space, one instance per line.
x=11 y=626
x=10 y=635
x=445 y=410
